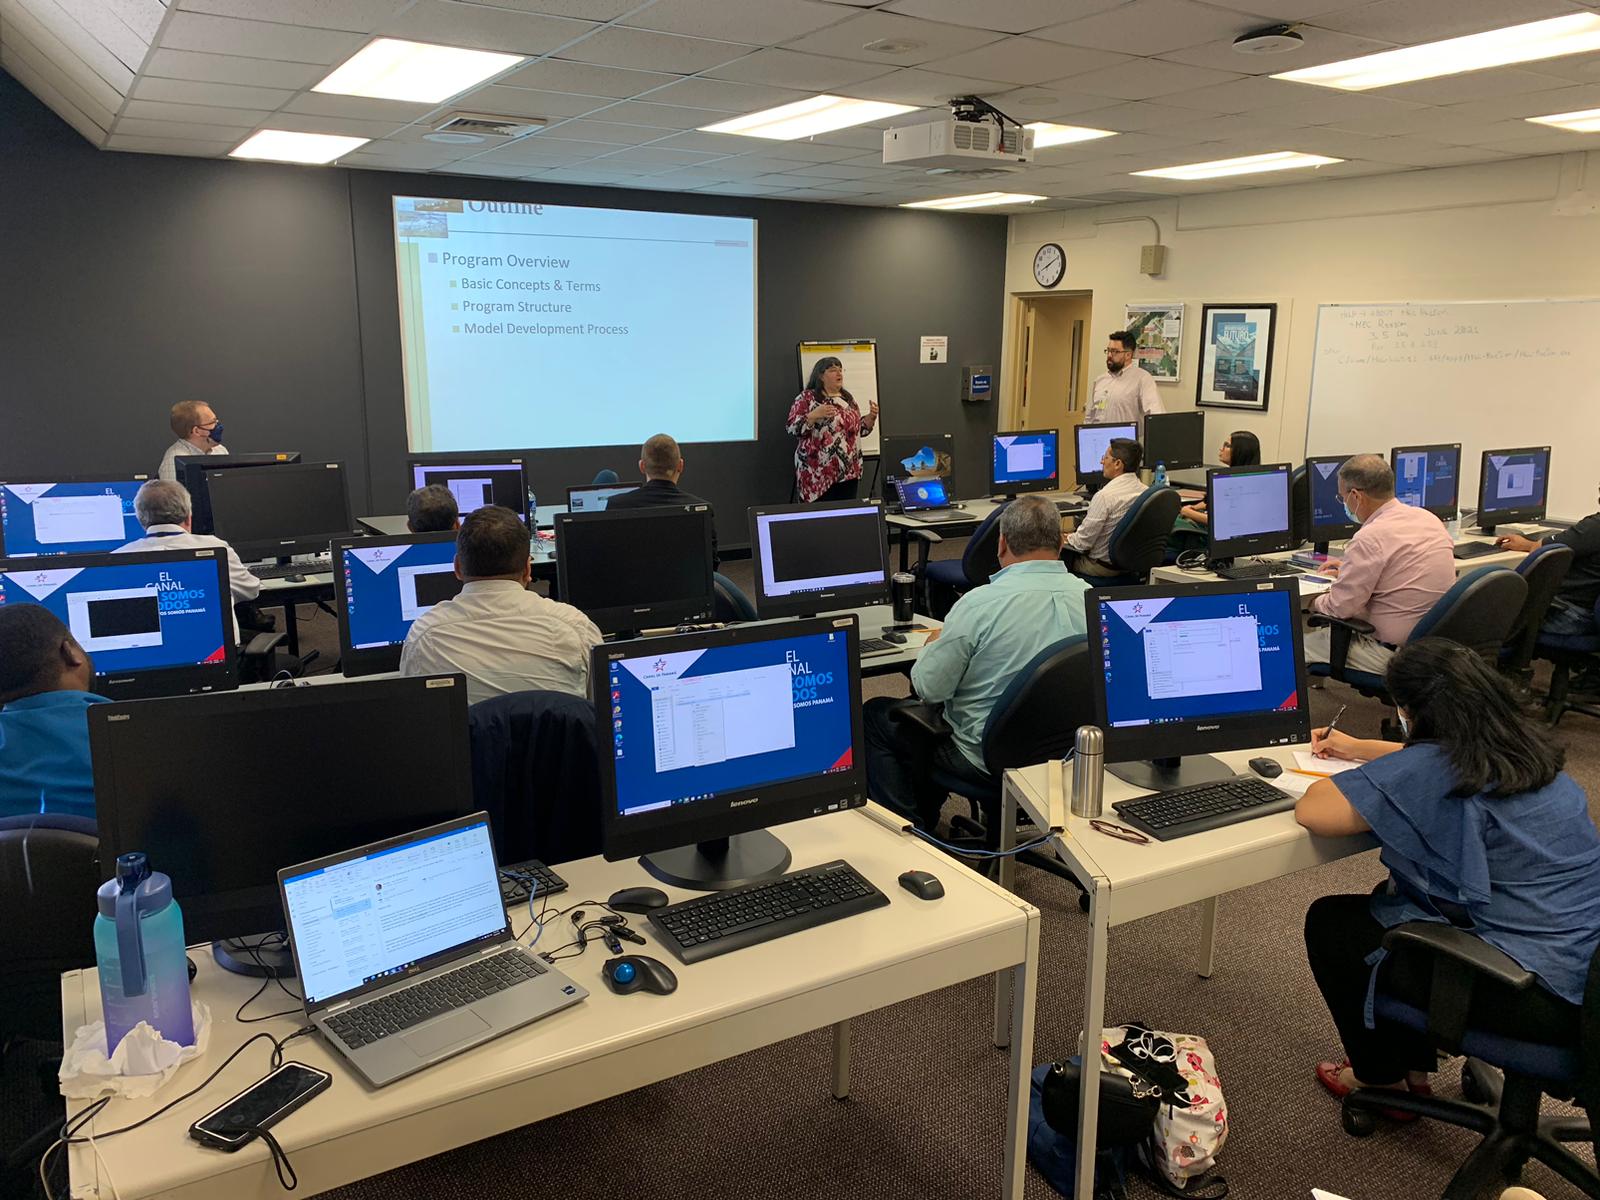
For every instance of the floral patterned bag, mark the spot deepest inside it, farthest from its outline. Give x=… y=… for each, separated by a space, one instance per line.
x=1191 y=1125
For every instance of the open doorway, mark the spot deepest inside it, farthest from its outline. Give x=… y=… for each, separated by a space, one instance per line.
x=1054 y=355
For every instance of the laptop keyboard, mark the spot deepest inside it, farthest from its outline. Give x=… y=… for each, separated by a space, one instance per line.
x=398 y=1011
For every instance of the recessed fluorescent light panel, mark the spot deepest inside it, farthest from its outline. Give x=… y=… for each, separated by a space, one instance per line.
x=1045 y=134
x=1278 y=160
x=807 y=118
x=281 y=145
x=1574 y=34
x=391 y=69
x=980 y=200
x=1587 y=121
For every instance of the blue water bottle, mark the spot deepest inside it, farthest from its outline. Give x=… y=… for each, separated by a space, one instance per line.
x=138 y=945
x=1161 y=474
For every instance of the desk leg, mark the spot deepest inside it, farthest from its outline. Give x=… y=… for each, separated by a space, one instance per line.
x=291 y=626
x=1003 y=984
x=841 y=1060
x=1094 y=1019
x=1208 y=936
x=1023 y=984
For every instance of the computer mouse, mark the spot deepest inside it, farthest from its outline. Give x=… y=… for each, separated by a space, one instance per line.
x=637 y=899
x=1267 y=768
x=895 y=636
x=924 y=885
x=638 y=973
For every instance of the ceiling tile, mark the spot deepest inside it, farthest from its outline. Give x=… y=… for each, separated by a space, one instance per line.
x=42 y=39
x=1003 y=16
x=1530 y=104
x=391 y=156
x=528 y=102
x=584 y=173
x=257 y=39
x=1552 y=142
x=1287 y=10
x=162 y=145
x=1151 y=27
x=584 y=129
x=484 y=28
x=1476 y=85
x=1488 y=133
x=758 y=22
x=739 y=189
x=480 y=166
x=158 y=110
x=358 y=16
x=102 y=25
x=144 y=17
x=536 y=150
x=712 y=143
x=554 y=75
x=1578 y=68
x=1026 y=60
x=1137 y=116
x=193 y=131
x=1413 y=152
x=664 y=116
x=1408 y=22
x=1250 y=94
x=1146 y=77
x=922 y=88
x=348 y=126
x=864 y=137
x=231 y=69
x=221 y=95
x=789 y=68
x=395 y=112
x=643 y=50
x=588 y=10
x=725 y=97
x=1321 y=46
x=926 y=40
x=1051 y=102
x=837 y=171
x=1331 y=107
x=658 y=156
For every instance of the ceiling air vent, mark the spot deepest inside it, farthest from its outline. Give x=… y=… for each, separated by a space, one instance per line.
x=487 y=126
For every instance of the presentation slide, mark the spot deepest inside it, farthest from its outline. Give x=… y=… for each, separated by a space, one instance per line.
x=539 y=326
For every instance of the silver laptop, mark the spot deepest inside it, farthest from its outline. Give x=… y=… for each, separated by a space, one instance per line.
x=405 y=951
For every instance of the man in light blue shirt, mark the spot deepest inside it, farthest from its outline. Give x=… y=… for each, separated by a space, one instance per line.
x=990 y=635
x=44 y=724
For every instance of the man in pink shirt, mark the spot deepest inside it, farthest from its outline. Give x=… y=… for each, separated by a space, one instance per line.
x=1394 y=569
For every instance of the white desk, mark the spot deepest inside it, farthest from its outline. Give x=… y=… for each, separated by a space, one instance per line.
x=603 y=1047
x=1503 y=558
x=962 y=521
x=1125 y=881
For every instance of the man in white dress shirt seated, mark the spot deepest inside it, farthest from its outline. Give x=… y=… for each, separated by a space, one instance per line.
x=199 y=432
x=496 y=632
x=163 y=509
x=1088 y=551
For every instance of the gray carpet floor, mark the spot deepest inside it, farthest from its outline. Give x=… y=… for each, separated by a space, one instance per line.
x=926 y=1116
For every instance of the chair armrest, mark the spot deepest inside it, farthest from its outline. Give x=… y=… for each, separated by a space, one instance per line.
x=1445 y=942
x=1342 y=630
x=263 y=644
x=924 y=535
x=926 y=718
x=1352 y=624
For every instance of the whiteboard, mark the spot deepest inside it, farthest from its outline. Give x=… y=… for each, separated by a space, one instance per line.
x=1491 y=375
x=860 y=359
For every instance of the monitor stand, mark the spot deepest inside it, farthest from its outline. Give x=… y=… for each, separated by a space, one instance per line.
x=1164 y=774
x=722 y=864
x=245 y=956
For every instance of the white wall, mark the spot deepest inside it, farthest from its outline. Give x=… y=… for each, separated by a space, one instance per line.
x=1483 y=232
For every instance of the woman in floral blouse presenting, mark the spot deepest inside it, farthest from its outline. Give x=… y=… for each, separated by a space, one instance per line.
x=829 y=424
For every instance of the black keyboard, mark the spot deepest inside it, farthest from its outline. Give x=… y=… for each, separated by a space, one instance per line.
x=759 y=912
x=285 y=570
x=515 y=879
x=878 y=646
x=1182 y=811
x=1474 y=549
x=1257 y=570
x=397 y=1011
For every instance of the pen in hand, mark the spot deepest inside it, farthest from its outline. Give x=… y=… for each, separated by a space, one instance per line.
x=1328 y=732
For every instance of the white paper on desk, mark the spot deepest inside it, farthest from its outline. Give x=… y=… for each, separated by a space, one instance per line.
x=1319 y=1194
x=1294 y=783
x=1307 y=761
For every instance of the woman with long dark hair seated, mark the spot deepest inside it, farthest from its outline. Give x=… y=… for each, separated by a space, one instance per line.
x=1480 y=828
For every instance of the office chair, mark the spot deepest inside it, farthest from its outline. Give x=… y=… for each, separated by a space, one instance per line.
x=1139 y=542
x=1564 y=653
x=1478 y=611
x=49 y=873
x=729 y=603
x=1543 y=569
x=536 y=772
x=1503 y=1077
x=1035 y=720
x=954 y=578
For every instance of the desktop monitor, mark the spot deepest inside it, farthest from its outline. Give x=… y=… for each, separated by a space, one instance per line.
x=70 y=514
x=1175 y=439
x=593 y=497
x=1025 y=461
x=638 y=568
x=916 y=456
x=475 y=481
x=1428 y=477
x=1328 y=520
x=288 y=775
x=1248 y=511
x=270 y=512
x=717 y=735
x=383 y=584
x=812 y=558
x=157 y=623
x=1514 y=487
x=192 y=473
x=1193 y=668
x=1093 y=441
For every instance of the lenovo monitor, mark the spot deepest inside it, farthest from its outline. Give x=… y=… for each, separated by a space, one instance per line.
x=1092 y=443
x=1515 y=486
x=192 y=473
x=70 y=514
x=916 y=456
x=1195 y=668
x=593 y=497
x=157 y=623
x=383 y=584
x=714 y=736
x=277 y=512
x=1025 y=461
x=637 y=568
x=1329 y=522
x=1248 y=511
x=1428 y=477
x=812 y=558
x=475 y=481
x=1176 y=440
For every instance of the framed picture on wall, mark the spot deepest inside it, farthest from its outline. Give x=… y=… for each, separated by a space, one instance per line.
x=1159 y=330
x=1235 y=356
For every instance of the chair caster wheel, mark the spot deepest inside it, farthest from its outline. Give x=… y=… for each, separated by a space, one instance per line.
x=1470 y=1091
x=1357 y=1122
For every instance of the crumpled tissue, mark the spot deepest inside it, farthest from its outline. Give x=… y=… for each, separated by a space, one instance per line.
x=142 y=1062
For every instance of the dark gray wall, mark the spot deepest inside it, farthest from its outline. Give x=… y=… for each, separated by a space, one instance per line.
x=129 y=281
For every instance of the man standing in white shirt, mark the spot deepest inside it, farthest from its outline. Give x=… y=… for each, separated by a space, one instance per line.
x=1125 y=393
x=198 y=431
x=163 y=509
x=1090 y=544
x=496 y=632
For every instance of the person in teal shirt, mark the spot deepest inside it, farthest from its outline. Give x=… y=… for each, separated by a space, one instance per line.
x=992 y=633
x=44 y=725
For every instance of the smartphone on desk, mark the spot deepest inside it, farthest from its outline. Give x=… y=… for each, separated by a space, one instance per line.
x=260 y=1105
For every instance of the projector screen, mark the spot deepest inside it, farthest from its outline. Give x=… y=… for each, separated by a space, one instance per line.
x=531 y=326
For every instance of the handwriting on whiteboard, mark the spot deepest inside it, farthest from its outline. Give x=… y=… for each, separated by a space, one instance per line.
x=1423 y=336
